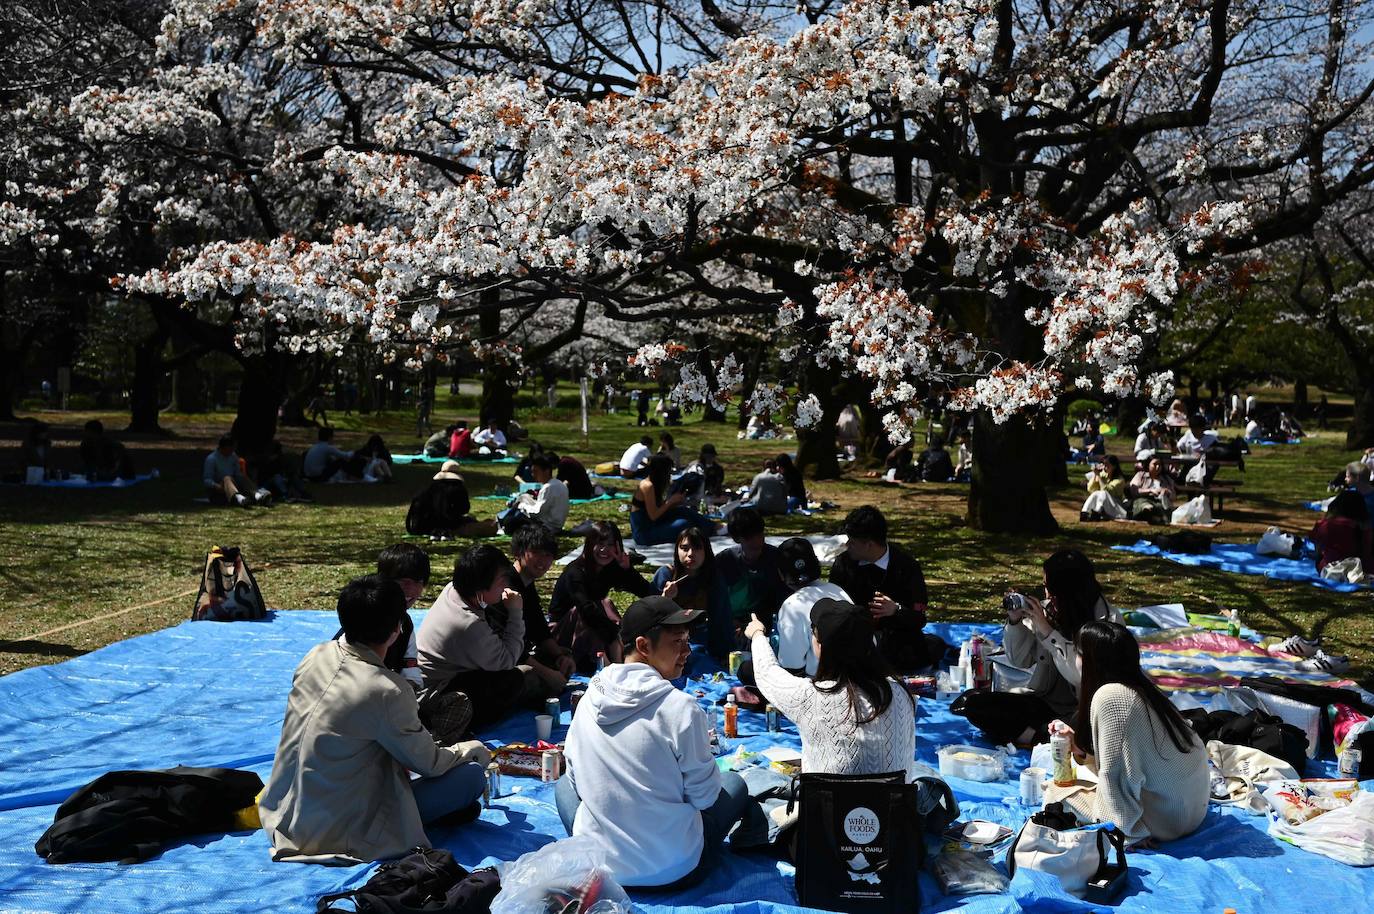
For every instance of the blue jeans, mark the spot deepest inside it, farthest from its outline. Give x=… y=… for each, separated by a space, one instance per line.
x=455 y=789
x=664 y=531
x=716 y=822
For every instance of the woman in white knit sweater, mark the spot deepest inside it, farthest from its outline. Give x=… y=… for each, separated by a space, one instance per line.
x=854 y=718
x=1151 y=767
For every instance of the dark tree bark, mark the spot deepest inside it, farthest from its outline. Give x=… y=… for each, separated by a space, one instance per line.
x=1011 y=469
x=1361 y=431
x=816 y=445
x=498 y=396
x=190 y=389
x=753 y=365
x=145 y=392
x=260 y=396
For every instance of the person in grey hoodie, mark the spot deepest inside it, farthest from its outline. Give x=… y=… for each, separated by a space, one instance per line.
x=641 y=778
x=473 y=637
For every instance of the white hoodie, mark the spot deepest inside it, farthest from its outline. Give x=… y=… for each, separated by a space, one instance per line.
x=639 y=756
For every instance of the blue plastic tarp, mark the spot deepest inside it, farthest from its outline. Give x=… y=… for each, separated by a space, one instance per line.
x=210 y=693
x=1243 y=559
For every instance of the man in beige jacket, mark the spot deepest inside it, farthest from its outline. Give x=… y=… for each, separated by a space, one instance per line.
x=340 y=790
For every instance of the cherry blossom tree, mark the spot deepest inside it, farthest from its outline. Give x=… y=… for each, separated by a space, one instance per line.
x=996 y=201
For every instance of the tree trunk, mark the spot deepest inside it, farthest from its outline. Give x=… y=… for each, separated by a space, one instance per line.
x=1300 y=399
x=1361 y=431
x=190 y=389
x=498 y=396
x=145 y=391
x=1011 y=468
x=9 y=387
x=753 y=365
x=816 y=446
x=260 y=397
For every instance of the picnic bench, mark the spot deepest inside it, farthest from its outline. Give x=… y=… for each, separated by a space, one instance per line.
x=1216 y=490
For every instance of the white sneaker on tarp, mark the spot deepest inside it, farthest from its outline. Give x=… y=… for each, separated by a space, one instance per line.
x=1299 y=646
x=1325 y=663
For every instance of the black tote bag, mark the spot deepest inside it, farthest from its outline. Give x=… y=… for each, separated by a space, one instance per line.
x=860 y=844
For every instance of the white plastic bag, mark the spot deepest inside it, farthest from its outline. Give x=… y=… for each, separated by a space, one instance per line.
x=567 y=870
x=1275 y=542
x=1345 y=834
x=1194 y=511
x=1347 y=571
x=1197 y=475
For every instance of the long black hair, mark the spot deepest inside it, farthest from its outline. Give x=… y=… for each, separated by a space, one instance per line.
x=1071 y=580
x=851 y=662
x=603 y=532
x=1112 y=655
x=660 y=474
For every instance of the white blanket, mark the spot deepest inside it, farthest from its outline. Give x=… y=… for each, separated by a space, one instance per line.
x=827 y=548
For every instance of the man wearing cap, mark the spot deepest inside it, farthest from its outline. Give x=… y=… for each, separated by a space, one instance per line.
x=801 y=572
x=641 y=778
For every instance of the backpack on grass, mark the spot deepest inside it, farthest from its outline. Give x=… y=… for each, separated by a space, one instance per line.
x=228 y=591
x=423 y=880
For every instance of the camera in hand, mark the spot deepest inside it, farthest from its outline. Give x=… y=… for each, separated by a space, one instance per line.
x=1014 y=603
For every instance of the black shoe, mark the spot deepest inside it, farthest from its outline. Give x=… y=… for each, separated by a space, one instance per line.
x=459 y=816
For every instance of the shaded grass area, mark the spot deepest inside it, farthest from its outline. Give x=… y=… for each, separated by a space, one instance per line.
x=80 y=569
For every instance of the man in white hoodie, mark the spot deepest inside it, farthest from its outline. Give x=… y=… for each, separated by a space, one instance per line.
x=641 y=778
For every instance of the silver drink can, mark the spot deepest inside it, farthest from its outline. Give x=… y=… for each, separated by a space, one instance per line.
x=550 y=765
x=1350 y=762
x=554 y=710
x=774 y=719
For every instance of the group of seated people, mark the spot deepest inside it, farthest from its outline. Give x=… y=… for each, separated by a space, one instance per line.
x=934 y=464
x=457 y=441
x=385 y=698
x=1347 y=529
x=102 y=458
x=1149 y=495
x=233 y=480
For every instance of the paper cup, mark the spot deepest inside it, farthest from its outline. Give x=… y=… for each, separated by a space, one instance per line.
x=543 y=725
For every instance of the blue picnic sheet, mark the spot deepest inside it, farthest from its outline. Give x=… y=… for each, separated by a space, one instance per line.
x=205 y=693
x=1243 y=559
x=403 y=459
x=84 y=483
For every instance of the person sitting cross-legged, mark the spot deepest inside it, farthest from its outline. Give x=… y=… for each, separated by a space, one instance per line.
x=340 y=791
x=641 y=778
x=474 y=636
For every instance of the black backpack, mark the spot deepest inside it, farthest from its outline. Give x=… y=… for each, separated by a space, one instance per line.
x=1185 y=541
x=1265 y=732
x=131 y=815
x=423 y=880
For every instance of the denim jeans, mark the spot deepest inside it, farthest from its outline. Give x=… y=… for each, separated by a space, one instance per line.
x=455 y=789
x=716 y=822
x=669 y=524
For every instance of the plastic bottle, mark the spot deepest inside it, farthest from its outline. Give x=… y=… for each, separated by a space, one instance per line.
x=1233 y=623
x=978 y=661
x=731 y=718
x=1061 y=757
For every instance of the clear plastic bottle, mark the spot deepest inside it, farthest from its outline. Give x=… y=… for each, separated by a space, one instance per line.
x=1061 y=756
x=731 y=718
x=1233 y=623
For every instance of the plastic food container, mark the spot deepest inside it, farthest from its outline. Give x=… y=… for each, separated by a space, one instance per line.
x=972 y=763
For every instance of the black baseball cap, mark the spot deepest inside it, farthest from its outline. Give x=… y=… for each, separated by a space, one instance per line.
x=651 y=612
x=797 y=561
x=830 y=617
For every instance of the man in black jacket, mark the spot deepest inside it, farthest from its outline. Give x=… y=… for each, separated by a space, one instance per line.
x=888 y=580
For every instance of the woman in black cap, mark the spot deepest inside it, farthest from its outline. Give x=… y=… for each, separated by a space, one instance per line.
x=854 y=718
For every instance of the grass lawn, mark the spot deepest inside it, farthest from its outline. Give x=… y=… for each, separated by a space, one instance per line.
x=80 y=569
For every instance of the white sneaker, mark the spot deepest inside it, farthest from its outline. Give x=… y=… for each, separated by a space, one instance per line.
x=1325 y=663
x=1299 y=646
x=263 y=497
x=241 y=500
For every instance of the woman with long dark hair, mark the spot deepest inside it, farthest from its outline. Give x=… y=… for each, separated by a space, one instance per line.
x=1039 y=637
x=796 y=484
x=656 y=517
x=582 y=615
x=1152 y=779
x=854 y=717
x=692 y=582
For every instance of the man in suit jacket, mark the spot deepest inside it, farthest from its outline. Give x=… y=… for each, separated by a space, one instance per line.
x=886 y=578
